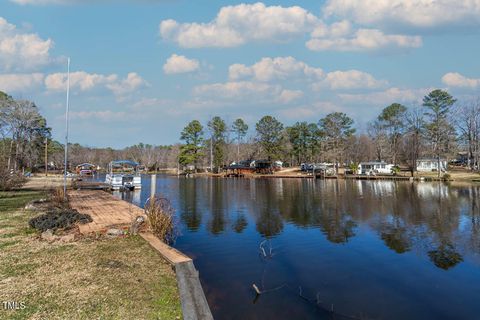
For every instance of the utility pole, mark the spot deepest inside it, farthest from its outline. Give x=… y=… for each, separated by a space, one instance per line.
x=66 y=131
x=211 y=153
x=46 y=157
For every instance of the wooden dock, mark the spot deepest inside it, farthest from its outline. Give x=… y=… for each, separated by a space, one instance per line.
x=90 y=185
x=106 y=210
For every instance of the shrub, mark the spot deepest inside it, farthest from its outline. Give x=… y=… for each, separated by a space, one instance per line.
x=395 y=170
x=160 y=217
x=57 y=218
x=58 y=198
x=10 y=180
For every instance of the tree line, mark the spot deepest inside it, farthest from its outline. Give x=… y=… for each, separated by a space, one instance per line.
x=23 y=132
x=438 y=129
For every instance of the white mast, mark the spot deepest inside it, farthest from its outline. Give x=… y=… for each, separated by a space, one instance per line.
x=66 y=131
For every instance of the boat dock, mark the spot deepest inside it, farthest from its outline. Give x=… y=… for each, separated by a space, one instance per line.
x=109 y=212
x=90 y=185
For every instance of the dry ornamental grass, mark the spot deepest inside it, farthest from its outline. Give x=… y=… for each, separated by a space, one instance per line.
x=161 y=219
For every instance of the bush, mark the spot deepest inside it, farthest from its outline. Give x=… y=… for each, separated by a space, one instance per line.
x=58 y=218
x=58 y=198
x=9 y=180
x=161 y=220
x=395 y=170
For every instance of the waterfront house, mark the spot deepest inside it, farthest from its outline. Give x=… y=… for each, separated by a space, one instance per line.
x=374 y=167
x=431 y=165
x=239 y=170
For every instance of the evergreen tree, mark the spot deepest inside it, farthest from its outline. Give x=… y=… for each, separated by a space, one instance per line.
x=240 y=129
x=392 y=120
x=192 y=151
x=218 y=128
x=438 y=127
x=270 y=136
x=336 y=128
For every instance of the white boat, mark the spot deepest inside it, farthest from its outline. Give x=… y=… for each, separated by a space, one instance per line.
x=123 y=174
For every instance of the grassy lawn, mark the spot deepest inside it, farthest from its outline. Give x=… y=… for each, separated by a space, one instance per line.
x=122 y=278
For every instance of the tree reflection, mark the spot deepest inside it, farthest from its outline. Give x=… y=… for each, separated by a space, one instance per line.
x=269 y=220
x=396 y=238
x=445 y=256
x=338 y=229
x=217 y=193
x=240 y=223
x=190 y=215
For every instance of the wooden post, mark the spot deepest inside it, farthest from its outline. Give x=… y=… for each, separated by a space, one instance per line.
x=153 y=185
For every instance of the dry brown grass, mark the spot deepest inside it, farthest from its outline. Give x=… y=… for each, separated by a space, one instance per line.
x=122 y=278
x=59 y=198
x=160 y=217
x=41 y=182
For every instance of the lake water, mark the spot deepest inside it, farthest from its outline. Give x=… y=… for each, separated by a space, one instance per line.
x=329 y=249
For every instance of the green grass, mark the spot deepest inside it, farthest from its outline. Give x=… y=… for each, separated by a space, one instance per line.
x=121 y=278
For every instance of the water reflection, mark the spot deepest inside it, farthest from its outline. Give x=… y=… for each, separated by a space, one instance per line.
x=190 y=214
x=411 y=248
x=440 y=220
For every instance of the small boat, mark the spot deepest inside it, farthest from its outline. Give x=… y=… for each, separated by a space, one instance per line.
x=123 y=175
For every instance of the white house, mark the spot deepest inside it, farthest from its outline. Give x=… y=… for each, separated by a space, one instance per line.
x=431 y=165
x=374 y=167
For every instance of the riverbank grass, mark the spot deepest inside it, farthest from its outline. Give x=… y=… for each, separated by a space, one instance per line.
x=121 y=278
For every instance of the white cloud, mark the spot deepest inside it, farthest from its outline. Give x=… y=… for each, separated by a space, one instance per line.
x=287 y=96
x=280 y=68
x=235 y=25
x=351 y=79
x=289 y=69
x=387 y=96
x=455 y=79
x=128 y=85
x=314 y=110
x=151 y=103
x=416 y=13
x=244 y=91
x=241 y=90
x=180 y=64
x=20 y=82
x=358 y=40
x=79 y=80
x=22 y=51
x=104 y=115
x=83 y=81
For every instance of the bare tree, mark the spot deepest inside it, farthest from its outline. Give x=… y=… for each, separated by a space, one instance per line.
x=467 y=120
x=414 y=135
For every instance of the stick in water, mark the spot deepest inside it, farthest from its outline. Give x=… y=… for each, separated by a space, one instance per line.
x=256 y=289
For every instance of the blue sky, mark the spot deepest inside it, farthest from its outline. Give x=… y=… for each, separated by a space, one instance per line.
x=142 y=69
